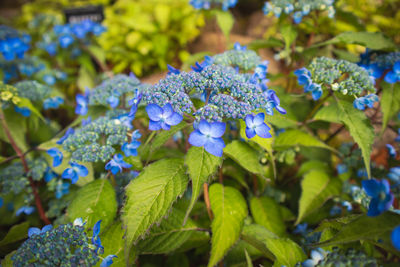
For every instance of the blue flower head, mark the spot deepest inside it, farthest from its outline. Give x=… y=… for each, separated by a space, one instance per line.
x=53 y=102
x=368 y=100
x=395 y=236
x=199 y=67
x=394 y=174
x=172 y=70
x=36 y=231
x=397 y=139
x=130 y=149
x=125 y=119
x=27 y=210
x=68 y=132
x=342 y=168
x=297 y=17
x=113 y=101
x=82 y=102
x=209 y=136
x=393 y=76
x=57 y=156
x=49 y=175
x=108 y=261
x=49 y=79
x=134 y=102
x=116 y=164
x=74 y=172
x=381 y=197
x=65 y=40
x=255 y=125
x=273 y=102
x=391 y=150
x=24 y=111
x=238 y=47
x=51 y=48
x=162 y=118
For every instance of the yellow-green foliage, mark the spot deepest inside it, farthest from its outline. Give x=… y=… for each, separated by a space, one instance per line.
x=146 y=34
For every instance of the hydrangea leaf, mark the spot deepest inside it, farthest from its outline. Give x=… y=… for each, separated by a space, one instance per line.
x=256 y=235
x=114 y=244
x=265 y=143
x=267 y=213
x=294 y=137
x=390 y=102
x=225 y=22
x=201 y=165
x=229 y=209
x=244 y=155
x=286 y=251
x=17 y=233
x=169 y=236
x=317 y=188
x=151 y=195
x=17 y=129
x=364 y=228
x=94 y=201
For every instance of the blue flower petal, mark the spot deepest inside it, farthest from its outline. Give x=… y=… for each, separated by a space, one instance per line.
x=154 y=112
x=372 y=187
x=217 y=129
x=196 y=138
x=215 y=146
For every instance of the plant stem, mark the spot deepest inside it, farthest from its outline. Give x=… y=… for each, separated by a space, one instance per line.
x=207 y=201
x=21 y=155
x=221 y=176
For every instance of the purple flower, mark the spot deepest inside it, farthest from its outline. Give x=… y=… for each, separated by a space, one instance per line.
x=82 y=102
x=164 y=117
x=117 y=164
x=393 y=76
x=36 y=231
x=57 y=156
x=75 y=172
x=209 y=136
x=130 y=149
x=255 y=125
x=86 y=121
x=68 y=132
x=381 y=196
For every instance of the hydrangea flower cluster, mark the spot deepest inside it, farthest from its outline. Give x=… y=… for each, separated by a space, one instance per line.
x=13 y=45
x=337 y=75
x=207 y=4
x=70 y=36
x=298 y=8
x=96 y=140
x=25 y=67
x=226 y=92
x=338 y=257
x=66 y=245
x=378 y=65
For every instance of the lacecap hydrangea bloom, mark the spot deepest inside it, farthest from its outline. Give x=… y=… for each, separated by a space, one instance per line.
x=326 y=74
x=298 y=8
x=13 y=45
x=231 y=85
x=382 y=65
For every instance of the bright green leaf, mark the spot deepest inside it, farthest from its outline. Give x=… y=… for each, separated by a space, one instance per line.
x=294 y=137
x=244 y=155
x=225 y=22
x=286 y=251
x=390 y=102
x=267 y=212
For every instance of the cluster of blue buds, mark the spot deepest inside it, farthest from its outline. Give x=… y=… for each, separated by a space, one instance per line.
x=365 y=101
x=13 y=45
x=66 y=245
x=382 y=65
x=228 y=90
x=337 y=75
x=70 y=36
x=298 y=8
x=21 y=68
x=38 y=94
x=207 y=4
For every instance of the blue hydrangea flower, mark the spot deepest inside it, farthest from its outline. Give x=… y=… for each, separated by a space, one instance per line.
x=108 y=261
x=172 y=70
x=273 y=102
x=126 y=120
x=57 y=156
x=96 y=238
x=62 y=188
x=1 y=202
x=395 y=236
x=134 y=102
x=342 y=168
x=238 y=47
x=36 y=231
x=301 y=229
x=393 y=76
x=391 y=150
x=65 y=40
x=49 y=175
x=27 y=210
x=82 y=102
x=53 y=102
x=297 y=17
x=130 y=149
x=255 y=125
x=86 y=121
x=75 y=172
x=362 y=173
x=51 y=48
x=68 y=132
x=209 y=136
x=303 y=76
x=317 y=255
x=394 y=174
x=381 y=196
x=49 y=79
x=373 y=69
x=113 y=101
x=368 y=100
x=164 y=117
x=24 y=111
x=199 y=67
x=117 y=164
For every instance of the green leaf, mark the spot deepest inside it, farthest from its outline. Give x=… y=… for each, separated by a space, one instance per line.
x=17 y=126
x=248 y=259
x=286 y=251
x=281 y=121
x=229 y=209
x=95 y=201
x=317 y=188
x=267 y=212
x=114 y=244
x=17 y=233
x=289 y=34
x=256 y=235
x=98 y=53
x=201 y=165
x=85 y=79
x=26 y=103
x=169 y=236
x=294 y=137
x=244 y=155
x=151 y=195
x=390 y=102
x=225 y=22
x=373 y=40
x=271 y=42
x=365 y=228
